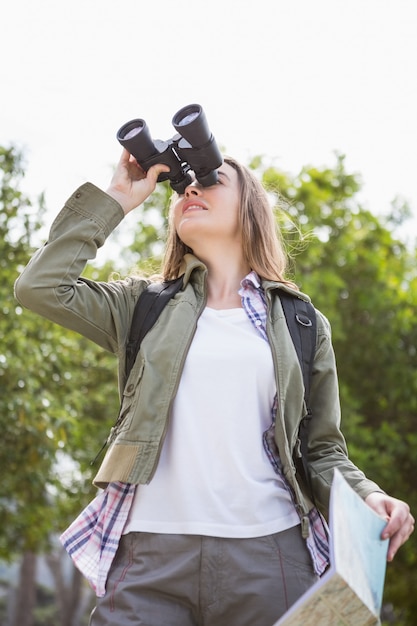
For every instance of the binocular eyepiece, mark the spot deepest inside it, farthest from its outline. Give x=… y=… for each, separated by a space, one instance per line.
x=192 y=148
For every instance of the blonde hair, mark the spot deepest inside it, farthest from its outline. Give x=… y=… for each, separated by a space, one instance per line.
x=261 y=239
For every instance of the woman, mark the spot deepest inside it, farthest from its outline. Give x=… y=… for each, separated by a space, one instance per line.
x=202 y=519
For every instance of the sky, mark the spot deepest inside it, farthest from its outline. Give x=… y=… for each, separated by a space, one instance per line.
x=294 y=80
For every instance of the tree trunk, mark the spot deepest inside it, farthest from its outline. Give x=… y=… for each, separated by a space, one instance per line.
x=68 y=594
x=26 y=591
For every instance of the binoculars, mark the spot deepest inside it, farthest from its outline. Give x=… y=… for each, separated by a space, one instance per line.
x=192 y=148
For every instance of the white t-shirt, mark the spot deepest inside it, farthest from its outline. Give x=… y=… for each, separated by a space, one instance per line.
x=214 y=477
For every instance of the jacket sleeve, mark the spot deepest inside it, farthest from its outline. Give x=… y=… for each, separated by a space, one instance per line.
x=51 y=284
x=327 y=446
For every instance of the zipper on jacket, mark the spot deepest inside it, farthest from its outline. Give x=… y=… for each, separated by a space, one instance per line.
x=99 y=453
x=305 y=526
x=111 y=435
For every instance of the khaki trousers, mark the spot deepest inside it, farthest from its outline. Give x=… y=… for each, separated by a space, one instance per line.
x=193 y=580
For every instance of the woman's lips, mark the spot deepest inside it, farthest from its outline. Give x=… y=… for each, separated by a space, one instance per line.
x=193 y=206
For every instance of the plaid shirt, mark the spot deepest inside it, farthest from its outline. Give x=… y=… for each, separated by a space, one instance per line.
x=92 y=539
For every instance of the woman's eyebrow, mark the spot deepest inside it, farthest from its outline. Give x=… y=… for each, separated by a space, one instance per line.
x=223 y=174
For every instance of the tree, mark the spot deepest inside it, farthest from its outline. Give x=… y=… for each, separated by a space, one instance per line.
x=52 y=413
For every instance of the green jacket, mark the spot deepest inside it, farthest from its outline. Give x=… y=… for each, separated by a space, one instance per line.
x=51 y=286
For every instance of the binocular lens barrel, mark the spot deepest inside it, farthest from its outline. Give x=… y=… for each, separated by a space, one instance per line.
x=135 y=137
x=191 y=123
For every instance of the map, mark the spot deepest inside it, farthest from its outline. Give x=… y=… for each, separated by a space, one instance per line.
x=350 y=592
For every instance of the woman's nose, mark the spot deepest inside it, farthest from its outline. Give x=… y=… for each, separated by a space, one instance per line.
x=193 y=189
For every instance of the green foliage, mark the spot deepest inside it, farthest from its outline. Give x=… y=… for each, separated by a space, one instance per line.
x=52 y=413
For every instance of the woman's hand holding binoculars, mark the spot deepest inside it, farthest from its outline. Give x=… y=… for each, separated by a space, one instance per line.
x=130 y=185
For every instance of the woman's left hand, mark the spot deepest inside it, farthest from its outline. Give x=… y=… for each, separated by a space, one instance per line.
x=400 y=522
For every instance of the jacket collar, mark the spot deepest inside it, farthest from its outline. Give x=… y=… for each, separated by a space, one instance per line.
x=191 y=264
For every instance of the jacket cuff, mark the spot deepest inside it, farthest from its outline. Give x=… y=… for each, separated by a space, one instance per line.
x=92 y=202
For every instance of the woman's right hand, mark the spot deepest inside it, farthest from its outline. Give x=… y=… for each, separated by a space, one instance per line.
x=130 y=185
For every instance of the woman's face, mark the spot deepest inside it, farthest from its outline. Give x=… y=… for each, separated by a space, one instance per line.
x=203 y=213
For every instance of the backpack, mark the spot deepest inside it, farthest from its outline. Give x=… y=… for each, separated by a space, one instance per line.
x=301 y=321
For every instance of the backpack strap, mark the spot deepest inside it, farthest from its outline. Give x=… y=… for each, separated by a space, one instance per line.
x=149 y=306
x=300 y=316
